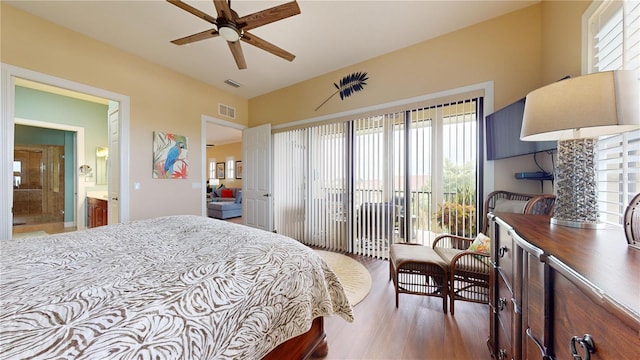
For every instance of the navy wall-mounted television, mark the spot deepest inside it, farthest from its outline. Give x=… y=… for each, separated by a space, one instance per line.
x=503 y=134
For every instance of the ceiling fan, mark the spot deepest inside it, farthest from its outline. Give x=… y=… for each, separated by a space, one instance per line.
x=233 y=28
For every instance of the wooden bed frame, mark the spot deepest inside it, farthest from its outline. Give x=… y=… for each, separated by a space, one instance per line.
x=313 y=343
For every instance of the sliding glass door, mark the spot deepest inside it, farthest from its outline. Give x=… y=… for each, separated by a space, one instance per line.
x=378 y=182
x=360 y=185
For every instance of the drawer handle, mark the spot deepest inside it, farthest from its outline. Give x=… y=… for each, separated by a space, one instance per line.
x=502 y=303
x=543 y=352
x=586 y=342
x=502 y=250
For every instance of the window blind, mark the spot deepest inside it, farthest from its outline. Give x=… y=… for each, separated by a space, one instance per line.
x=360 y=185
x=614 y=44
x=289 y=154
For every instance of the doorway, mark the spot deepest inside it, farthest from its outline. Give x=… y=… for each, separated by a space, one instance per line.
x=10 y=76
x=41 y=196
x=218 y=134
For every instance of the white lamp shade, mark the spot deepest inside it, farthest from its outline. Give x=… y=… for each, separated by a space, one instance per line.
x=583 y=107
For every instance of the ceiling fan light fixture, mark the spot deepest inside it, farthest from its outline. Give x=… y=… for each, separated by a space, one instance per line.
x=229 y=32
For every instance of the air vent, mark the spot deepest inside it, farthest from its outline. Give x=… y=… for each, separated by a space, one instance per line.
x=232 y=83
x=226 y=110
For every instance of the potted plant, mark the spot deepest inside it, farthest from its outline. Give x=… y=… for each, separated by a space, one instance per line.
x=458 y=217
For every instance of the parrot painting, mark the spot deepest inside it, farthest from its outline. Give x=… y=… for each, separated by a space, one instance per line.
x=172 y=156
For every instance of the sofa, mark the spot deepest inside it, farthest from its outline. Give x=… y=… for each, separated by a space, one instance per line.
x=223 y=193
x=225 y=207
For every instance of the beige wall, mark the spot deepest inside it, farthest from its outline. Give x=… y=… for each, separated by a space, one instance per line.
x=505 y=50
x=561 y=56
x=562 y=39
x=221 y=153
x=519 y=52
x=161 y=100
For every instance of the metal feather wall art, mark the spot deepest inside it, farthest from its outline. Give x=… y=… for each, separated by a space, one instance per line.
x=348 y=85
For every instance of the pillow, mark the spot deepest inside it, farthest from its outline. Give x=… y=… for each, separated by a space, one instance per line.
x=218 y=191
x=510 y=206
x=226 y=193
x=481 y=244
x=239 y=197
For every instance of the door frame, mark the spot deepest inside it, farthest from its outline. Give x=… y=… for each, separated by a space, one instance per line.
x=204 y=120
x=78 y=186
x=7 y=114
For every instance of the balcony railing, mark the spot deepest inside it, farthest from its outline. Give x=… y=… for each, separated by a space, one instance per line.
x=379 y=220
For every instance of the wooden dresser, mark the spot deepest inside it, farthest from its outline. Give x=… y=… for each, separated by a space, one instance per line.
x=558 y=291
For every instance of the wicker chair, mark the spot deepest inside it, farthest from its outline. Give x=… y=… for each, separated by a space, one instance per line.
x=538 y=204
x=632 y=222
x=448 y=268
x=469 y=271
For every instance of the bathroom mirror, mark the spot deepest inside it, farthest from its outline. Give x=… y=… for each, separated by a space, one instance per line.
x=102 y=154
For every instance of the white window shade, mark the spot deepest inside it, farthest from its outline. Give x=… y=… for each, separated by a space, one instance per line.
x=613 y=43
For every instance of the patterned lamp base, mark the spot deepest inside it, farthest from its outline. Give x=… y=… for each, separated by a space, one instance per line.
x=577 y=189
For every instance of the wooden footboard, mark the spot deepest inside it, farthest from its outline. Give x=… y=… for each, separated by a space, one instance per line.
x=313 y=343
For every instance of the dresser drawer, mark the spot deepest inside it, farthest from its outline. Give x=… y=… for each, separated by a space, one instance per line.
x=504 y=256
x=504 y=305
x=575 y=315
x=505 y=348
x=534 y=321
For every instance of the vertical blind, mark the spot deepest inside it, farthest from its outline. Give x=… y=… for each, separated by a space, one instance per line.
x=614 y=44
x=326 y=211
x=359 y=186
x=376 y=193
x=458 y=184
x=289 y=168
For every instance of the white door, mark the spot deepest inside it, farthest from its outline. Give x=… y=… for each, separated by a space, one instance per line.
x=257 y=203
x=114 y=163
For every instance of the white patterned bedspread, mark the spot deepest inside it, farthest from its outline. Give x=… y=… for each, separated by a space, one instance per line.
x=179 y=287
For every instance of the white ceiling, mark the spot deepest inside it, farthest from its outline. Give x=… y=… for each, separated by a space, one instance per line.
x=326 y=36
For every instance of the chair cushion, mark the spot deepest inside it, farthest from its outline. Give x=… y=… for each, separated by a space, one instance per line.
x=481 y=243
x=400 y=253
x=447 y=253
x=510 y=206
x=470 y=263
x=239 y=197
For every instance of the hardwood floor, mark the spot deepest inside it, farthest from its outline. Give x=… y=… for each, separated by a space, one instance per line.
x=418 y=329
x=236 y=220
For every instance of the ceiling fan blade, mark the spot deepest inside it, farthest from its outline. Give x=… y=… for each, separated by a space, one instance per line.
x=238 y=56
x=268 y=16
x=194 y=11
x=267 y=46
x=223 y=9
x=196 y=37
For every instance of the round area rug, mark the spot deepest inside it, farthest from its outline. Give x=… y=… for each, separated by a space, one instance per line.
x=355 y=278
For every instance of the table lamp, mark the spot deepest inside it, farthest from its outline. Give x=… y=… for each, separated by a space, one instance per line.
x=575 y=112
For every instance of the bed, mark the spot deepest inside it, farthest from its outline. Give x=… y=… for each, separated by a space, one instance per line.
x=177 y=287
